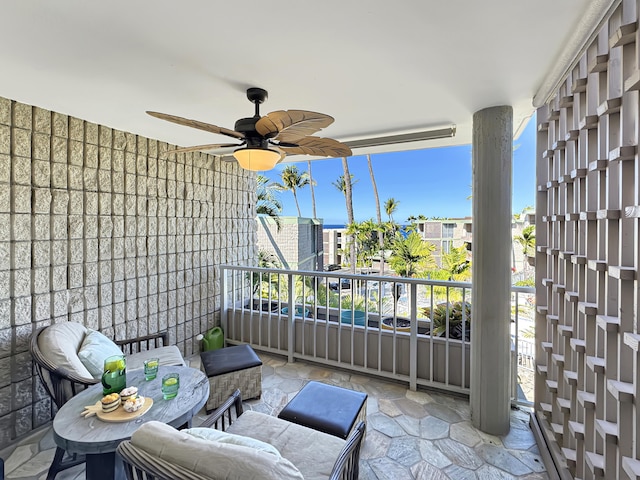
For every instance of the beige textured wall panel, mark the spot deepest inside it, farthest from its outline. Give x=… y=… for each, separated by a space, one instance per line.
x=101 y=227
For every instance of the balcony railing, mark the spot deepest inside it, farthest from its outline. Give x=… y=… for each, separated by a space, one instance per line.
x=414 y=330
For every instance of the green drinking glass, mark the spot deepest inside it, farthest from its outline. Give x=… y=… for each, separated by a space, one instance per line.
x=151 y=368
x=170 y=386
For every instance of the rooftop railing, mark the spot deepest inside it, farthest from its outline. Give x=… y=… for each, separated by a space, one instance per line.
x=413 y=330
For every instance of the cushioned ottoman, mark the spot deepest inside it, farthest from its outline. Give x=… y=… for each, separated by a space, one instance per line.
x=327 y=408
x=229 y=369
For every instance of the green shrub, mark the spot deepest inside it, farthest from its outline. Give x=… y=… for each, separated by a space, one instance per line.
x=457 y=311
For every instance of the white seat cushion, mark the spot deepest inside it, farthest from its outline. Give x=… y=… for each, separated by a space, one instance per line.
x=312 y=452
x=60 y=343
x=214 y=435
x=212 y=459
x=169 y=355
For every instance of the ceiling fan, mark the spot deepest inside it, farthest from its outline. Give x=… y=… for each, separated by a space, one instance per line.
x=264 y=141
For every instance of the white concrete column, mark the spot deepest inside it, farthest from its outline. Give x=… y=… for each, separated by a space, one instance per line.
x=491 y=311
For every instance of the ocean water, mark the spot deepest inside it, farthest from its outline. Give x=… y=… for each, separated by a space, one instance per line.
x=334 y=226
x=403 y=229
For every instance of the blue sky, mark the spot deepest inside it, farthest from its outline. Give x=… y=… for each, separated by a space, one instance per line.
x=434 y=182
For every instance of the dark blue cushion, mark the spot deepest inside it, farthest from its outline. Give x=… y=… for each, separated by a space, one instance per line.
x=325 y=408
x=230 y=359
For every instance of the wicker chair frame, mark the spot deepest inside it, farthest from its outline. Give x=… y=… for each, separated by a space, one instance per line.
x=139 y=466
x=62 y=384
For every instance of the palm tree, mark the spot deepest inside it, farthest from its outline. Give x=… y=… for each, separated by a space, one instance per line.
x=378 y=214
x=293 y=180
x=313 y=196
x=342 y=186
x=390 y=206
x=268 y=203
x=455 y=267
x=456 y=264
x=261 y=282
x=348 y=195
x=528 y=240
x=413 y=225
x=364 y=235
x=346 y=187
x=411 y=255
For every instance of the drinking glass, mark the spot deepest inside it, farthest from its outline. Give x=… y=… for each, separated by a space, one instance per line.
x=114 y=378
x=170 y=385
x=151 y=368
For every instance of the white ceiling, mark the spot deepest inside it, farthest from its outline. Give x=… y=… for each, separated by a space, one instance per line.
x=378 y=67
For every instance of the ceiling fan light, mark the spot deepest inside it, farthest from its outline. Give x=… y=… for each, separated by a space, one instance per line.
x=257 y=159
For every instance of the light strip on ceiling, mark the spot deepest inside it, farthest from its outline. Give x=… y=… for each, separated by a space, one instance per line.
x=404 y=138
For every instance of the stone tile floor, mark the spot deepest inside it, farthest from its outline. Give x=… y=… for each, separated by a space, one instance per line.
x=421 y=435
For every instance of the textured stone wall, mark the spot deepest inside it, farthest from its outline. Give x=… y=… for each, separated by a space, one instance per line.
x=100 y=227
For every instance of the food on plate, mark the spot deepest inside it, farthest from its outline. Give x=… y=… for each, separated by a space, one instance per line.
x=110 y=402
x=133 y=404
x=128 y=393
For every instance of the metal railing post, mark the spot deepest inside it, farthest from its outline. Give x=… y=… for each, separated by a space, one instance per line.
x=225 y=300
x=290 y=313
x=413 y=339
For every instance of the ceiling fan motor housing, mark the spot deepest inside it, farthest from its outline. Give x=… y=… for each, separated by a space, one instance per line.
x=247 y=126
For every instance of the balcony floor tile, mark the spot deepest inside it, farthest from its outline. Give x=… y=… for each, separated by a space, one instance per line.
x=409 y=434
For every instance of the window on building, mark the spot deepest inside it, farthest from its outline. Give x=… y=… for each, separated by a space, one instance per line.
x=315 y=230
x=432 y=229
x=447 y=230
x=446 y=246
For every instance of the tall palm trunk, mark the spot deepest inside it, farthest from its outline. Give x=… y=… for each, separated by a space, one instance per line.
x=313 y=196
x=378 y=213
x=349 y=201
x=295 y=197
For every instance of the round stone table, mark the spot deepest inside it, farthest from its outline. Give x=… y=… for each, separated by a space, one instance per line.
x=98 y=440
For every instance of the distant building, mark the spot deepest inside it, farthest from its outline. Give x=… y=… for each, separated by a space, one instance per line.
x=450 y=233
x=446 y=234
x=298 y=245
x=333 y=242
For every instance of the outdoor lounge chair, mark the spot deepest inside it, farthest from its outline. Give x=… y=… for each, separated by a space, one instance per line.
x=260 y=446
x=55 y=352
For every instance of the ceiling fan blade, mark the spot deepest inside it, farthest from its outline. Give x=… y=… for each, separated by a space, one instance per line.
x=210 y=146
x=197 y=124
x=284 y=144
x=323 y=147
x=289 y=125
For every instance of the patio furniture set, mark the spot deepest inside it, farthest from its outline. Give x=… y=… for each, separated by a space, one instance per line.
x=318 y=434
